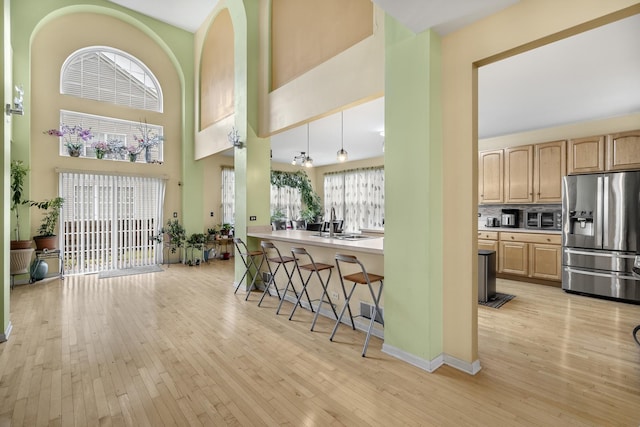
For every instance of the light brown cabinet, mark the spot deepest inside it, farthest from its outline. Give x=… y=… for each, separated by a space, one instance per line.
x=530 y=255
x=623 y=151
x=586 y=155
x=518 y=174
x=490 y=173
x=513 y=258
x=488 y=240
x=545 y=261
x=550 y=165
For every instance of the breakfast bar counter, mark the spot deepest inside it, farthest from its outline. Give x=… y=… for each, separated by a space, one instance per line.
x=356 y=243
x=323 y=249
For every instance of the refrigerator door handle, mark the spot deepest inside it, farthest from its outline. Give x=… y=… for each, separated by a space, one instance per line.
x=617 y=275
x=605 y=211
x=598 y=224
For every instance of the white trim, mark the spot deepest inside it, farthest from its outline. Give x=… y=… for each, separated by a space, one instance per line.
x=427 y=365
x=4 y=337
x=470 y=368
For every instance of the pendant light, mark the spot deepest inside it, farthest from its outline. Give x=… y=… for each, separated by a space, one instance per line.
x=308 y=161
x=342 y=153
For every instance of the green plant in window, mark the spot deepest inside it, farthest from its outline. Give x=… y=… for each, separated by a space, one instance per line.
x=301 y=181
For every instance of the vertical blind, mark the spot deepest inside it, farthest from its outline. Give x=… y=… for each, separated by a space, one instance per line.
x=109 y=221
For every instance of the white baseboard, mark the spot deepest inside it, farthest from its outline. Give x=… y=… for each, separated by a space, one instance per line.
x=427 y=365
x=470 y=368
x=5 y=336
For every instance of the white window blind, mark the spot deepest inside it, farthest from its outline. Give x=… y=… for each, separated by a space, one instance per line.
x=110 y=75
x=107 y=129
x=108 y=221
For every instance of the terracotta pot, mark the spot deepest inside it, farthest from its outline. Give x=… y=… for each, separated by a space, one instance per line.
x=46 y=242
x=21 y=244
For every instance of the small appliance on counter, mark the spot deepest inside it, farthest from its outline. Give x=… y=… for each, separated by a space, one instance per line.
x=492 y=221
x=543 y=220
x=510 y=218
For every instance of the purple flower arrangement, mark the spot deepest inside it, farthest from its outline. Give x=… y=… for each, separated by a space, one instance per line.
x=75 y=137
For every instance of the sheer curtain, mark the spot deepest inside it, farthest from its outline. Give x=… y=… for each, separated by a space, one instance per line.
x=358 y=197
x=286 y=199
x=228 y=195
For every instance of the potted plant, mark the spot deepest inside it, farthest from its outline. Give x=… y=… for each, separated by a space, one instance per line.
x=196 y=241
x=46 y=238
x=176 y=234
x=18 y=175
x=75 y=137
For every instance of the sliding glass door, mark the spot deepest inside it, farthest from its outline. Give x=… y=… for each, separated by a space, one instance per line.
x=109 y=221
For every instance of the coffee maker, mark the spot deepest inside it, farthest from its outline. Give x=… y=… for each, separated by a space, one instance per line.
x=510 y=218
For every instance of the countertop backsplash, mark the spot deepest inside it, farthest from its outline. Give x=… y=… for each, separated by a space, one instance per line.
x=485 y=211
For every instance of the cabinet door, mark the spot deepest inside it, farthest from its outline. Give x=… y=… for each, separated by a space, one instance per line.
x=514 y=258
x=545 y=261
x=623 y=151
x=489 y=245
x=550 y=165
x=518 y=174
x=586 y=155
x=490 y=175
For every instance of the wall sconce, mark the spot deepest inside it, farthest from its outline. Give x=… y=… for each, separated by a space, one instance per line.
x=18 y=108
x=234 y=138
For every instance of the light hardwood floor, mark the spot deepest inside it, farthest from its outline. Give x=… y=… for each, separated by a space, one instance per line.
x=179 y=348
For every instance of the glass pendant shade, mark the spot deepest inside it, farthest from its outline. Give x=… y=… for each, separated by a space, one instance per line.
x=342 y=153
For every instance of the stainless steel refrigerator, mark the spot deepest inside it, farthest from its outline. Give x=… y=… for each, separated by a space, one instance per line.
x=600 y=233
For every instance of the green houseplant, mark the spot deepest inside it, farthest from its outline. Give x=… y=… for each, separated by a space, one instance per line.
x=176 y=234
x=46 y=238
x=301 y=181
x=18 y=174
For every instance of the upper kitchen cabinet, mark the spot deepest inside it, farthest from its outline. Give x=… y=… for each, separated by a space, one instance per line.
x=623 y=151
x=518 y=174
x=550 y=165
x=490 y=175
x=586 y=155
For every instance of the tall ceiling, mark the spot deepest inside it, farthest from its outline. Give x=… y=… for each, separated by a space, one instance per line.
x=588 y=76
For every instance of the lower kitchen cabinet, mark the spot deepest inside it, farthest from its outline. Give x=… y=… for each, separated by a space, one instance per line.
x=530 y=255
x=488 y=240
x=514 y=258
x=545 y=261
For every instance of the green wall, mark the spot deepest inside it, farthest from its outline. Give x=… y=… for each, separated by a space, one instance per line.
x=5 y=154
x=413 y=157
x=26 y=17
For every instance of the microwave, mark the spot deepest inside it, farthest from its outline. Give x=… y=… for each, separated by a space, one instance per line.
x=543 y=220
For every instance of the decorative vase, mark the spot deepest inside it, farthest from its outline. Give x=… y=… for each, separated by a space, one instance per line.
x=99 y=154
x=133 y=157
x=74 y=152
x=147 y=154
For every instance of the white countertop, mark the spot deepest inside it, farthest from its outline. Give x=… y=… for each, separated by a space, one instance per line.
x=372 y=245
x=518 y=230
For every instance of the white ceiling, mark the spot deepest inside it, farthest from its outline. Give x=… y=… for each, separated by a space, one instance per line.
x=589 y=76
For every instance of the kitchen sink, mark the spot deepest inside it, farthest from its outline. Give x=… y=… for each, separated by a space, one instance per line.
x=342 y=236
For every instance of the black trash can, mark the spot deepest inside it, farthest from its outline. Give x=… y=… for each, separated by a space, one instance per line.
x=486 y=275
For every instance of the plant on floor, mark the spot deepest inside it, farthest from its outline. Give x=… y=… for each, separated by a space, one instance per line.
x=176 y=234
x=18 y=175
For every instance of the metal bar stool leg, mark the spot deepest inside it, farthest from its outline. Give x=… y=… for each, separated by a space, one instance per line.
x=362 y=278
x=312 y=268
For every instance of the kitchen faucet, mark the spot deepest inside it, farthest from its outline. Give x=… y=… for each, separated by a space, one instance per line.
x=331 y=221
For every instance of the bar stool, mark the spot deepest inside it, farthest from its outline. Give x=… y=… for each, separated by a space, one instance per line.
x=316 y=268
x=279 y=260
x=360 y=278
x=248 y=259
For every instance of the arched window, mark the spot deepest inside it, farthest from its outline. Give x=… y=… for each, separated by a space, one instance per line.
x=110 y=75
